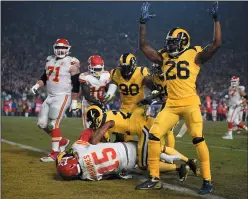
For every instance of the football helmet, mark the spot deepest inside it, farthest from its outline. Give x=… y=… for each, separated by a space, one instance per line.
x=95 y=65
x=234 y=81
x=177 y=41
x=61 y=48
x=157 y=68
x=68 y=168
x=94 y=115
x=127 y=65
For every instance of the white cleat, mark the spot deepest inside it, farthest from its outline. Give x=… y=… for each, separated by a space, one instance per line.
x=227 y=137
x=179 y=136
x=63 y=147
x=51 y=157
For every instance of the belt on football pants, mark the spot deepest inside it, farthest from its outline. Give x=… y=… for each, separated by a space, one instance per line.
x=126 y=149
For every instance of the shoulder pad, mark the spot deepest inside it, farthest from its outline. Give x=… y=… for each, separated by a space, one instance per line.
x=195 y=48
x=144 y=71
x=242 y=88
x=74 y=61
x=83 y=77
x=112 y=72
x=50 y=57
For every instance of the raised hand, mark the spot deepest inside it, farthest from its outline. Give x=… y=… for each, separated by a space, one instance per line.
x=214 y=12
x=145 y=16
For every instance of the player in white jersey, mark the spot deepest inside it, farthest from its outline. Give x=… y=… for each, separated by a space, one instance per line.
x=214 y=110
x=62 y=85
x=237 y=97
x=96 y=162
x=93 y=84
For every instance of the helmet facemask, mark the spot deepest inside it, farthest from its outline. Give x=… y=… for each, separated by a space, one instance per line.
x=126 y=69
x=94 y=118
x=234 y=82
x=176 y=45
x=96 y=70
x=61 y=51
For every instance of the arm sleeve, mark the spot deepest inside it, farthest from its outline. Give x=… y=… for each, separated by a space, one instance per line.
x=43 y=77
x=75 y=83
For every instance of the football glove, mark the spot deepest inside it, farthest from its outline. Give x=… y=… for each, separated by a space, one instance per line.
x=34 y=89
x=146 y=101
x=145 y=16
x=214 y=12
x=74 y=107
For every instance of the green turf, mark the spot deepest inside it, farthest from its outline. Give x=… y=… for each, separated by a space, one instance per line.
x=228 y=165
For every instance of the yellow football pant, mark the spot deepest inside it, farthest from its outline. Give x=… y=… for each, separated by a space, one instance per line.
x=165 y=120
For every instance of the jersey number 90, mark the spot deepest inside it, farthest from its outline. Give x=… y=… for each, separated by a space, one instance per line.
x=133 y=89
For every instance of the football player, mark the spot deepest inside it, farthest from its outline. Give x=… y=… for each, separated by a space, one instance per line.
x=237 y=97
x=181 y=66
x=61 y=80
x=117 y=121
x=93 y=84
x=130 y=80
x=101 y=161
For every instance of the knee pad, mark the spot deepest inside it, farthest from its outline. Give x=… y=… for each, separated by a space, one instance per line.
x=197 y=140
x=152 y=137
x=42 y=125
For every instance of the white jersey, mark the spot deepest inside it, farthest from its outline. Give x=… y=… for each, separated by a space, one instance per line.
x=214 y=106
x=97 y=86
x=104 y=159
x=234 y=95
x=59 y=75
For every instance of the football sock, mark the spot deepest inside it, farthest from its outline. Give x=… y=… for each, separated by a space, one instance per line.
x=170 y=139
x=172 y=151
x=56 y=137
x=203 y=154
x=167 y=167
x=153 y=157
x=230 y=127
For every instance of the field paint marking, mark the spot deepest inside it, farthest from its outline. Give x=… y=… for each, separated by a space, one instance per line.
x=217 y=147
x=184 y=190
x=24 y=146
x=210 y=146
x=165 y=185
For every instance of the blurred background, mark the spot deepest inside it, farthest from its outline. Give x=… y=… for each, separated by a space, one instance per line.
x=109 y=29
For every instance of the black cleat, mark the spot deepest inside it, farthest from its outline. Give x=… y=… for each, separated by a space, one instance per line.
x=152 y=183
x=193 y=166
x=183 y=172
x=207 y=187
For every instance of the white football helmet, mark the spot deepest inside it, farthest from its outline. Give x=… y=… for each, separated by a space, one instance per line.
x=95 y=65
x=234 y=81
x=61 y=48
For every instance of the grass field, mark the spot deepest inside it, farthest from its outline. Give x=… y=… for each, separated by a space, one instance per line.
x=24 y=176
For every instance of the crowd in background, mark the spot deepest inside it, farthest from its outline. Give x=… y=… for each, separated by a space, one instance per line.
x=108 y=30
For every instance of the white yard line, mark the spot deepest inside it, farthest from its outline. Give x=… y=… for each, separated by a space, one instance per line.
x=165 y=185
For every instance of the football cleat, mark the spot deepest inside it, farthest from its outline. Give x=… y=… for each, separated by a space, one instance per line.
x=51 y=157
x=227 y=137
x=183 y=172
x=207 y=187
x=152 y=183
x=193 y=166
x=63 y=144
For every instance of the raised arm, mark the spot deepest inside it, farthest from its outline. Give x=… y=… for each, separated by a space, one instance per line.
x=149 y=52
x=211 y=49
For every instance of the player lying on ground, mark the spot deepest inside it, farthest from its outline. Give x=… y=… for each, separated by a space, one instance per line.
x=135 y=124
x=103 y=160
